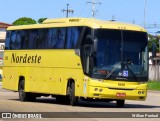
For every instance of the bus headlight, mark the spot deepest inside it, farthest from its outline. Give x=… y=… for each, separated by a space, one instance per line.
x=141 y=92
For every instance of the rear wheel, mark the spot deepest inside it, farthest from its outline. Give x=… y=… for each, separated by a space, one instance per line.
x=120 y=103
x=73 y=98
x=23 y=96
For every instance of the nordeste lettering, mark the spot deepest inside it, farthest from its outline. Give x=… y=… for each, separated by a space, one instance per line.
x=25 y=58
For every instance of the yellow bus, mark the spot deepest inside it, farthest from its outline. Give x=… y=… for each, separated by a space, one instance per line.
x=76 y=59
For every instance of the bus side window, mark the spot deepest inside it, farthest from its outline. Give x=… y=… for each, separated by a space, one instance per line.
x=13 y=40
x=55 y=38
x=24 y=40
x=49 y=38
x=32 y=38
x=60 y=38
x=72 y=37
x=7 y=41
x=41 y=39
x=18 y=40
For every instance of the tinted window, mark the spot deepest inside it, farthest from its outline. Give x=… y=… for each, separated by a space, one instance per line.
x=55 y=38
x=52 y=38
x=32 y=38
x=7 y=41
x=41 y=39
x=49 y=40
x=72 y=37
x=24 y=39
x=59 y=37
x=13 y=40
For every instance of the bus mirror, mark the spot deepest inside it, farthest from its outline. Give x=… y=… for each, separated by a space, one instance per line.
x=92 y=41
x=153 y=50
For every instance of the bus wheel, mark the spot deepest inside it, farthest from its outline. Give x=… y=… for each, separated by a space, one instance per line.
x=73 y=98
x=120 y=103
x=23 y=96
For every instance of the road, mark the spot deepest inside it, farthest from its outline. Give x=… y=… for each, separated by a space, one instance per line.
x=9 y=102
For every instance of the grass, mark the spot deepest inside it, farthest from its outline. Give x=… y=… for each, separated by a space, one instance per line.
x=154 y=85
x=0 y=80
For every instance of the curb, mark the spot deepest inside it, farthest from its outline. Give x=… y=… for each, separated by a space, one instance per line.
x=153 y=91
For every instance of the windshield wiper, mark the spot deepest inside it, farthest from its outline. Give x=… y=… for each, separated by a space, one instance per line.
x=113 y=70
x=123 y=66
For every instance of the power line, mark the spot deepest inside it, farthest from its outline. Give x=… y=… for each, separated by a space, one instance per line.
x=93 y=7
x=68 y=11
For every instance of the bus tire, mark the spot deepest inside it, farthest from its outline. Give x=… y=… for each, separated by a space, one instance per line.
x=120 y=103
x=23 y=96
x=73 y=98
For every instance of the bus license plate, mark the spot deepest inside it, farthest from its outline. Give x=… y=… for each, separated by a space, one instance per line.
x=121 y=94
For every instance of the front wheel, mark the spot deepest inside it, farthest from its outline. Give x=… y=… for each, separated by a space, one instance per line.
x=73 y=98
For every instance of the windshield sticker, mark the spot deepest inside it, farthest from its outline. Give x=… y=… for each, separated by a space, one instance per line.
x=125 y=73
x=120 y=74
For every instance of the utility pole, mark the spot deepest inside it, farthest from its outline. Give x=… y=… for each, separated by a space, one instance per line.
x=93 y=7
x=158 y=59
x=68 y=11
x=145 y=2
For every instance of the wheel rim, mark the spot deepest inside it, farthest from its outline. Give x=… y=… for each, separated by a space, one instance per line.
x=70 y=94
x=21 y=92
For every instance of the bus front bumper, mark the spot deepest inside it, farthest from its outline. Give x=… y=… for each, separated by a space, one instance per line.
x=115 y=93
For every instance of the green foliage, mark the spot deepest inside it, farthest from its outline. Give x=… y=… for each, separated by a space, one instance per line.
x=24 y=21
x=155 y=40
x=154 y=85
x=41 y=20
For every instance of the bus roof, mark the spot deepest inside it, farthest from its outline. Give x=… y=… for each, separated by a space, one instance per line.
x=90 y=22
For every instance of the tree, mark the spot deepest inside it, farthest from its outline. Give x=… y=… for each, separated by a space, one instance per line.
x=41 y=20
x=153 y=39
x=24 y=21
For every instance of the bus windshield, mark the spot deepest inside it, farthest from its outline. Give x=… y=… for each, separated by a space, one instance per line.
x=121 y=55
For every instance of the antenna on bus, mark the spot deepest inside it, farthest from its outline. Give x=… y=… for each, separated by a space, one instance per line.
x=134 y=21
x=68 y=11
x=93 y=7
x=113 y=18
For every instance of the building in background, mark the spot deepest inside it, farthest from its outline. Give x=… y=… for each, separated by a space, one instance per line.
x=3 y=27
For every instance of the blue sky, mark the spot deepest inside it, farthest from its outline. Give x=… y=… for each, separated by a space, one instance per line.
x=123 y=10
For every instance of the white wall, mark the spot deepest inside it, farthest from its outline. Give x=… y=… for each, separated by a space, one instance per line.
x=154 y=72
x=2 y=34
